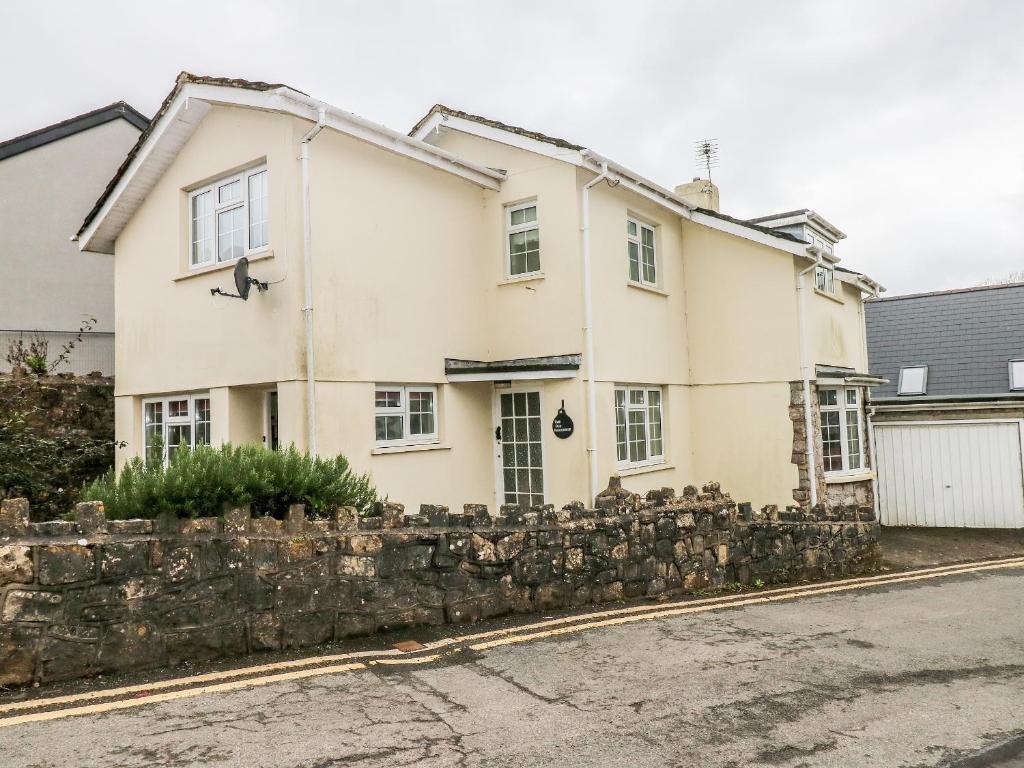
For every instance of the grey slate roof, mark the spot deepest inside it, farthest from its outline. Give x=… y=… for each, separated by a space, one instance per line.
x=966 y=338
x=42 y=136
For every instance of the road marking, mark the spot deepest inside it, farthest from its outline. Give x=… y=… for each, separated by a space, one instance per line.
x=759 y=600
x=107 y=706
x=512 y=635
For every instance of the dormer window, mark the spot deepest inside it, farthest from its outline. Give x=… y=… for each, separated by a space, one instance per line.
x=913 y=380
x=228 y=218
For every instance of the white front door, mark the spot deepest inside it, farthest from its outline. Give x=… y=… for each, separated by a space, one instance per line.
x=519 y=452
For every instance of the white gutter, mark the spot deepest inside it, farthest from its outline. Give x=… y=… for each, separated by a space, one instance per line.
x=588 y=335
x=307 y=266
x=805 y=372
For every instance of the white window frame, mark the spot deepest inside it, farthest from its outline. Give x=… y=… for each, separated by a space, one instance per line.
x=652 y=459
x=825 y=278
x=1014 y=383
x=218 y=208
x=512 y=229
x=842 y=407
x=402 y=410
x=901 y=390
x=168 y=421
x=637 y=239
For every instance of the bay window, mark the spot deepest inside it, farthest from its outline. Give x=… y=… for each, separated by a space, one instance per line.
x=228 y=218
x=639 y=437
x=841 y=429
x=405 y=415
x=174 y=422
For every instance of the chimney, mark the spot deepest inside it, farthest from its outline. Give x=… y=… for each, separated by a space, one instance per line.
x=699 y=192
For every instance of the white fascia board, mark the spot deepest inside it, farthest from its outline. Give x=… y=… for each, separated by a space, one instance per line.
x=99 y=236
x=392 y=140
x=797 y=249
x=592 y=161
x=512 y=375
x=191 y=105
x=500 y=135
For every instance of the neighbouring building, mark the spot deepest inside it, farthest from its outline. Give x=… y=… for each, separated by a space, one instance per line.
x=473 y=311
x=49 y=179
x=948 y=424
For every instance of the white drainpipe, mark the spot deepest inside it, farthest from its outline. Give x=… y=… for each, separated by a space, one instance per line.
x=805 y=373
x=307 y=263
x=588 y=334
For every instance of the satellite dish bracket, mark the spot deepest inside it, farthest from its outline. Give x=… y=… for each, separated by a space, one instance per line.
x=243 y=283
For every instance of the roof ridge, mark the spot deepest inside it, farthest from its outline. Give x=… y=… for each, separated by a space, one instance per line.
x=72 y=125
x=948 y=292
x=528 y=133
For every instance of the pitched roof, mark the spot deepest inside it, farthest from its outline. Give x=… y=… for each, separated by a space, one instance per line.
x=536 y=135
x=42 y=136
x=965 y=336
x=180 y=81
x=173 y=125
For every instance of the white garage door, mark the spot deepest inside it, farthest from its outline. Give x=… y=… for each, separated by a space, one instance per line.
x=952 y=474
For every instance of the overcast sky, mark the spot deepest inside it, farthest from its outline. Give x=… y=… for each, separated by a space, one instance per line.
x=900 y=122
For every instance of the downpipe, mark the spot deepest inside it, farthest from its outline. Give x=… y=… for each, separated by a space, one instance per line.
x=588 y=334
x=307 y=264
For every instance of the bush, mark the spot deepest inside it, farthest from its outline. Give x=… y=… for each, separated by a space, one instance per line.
x=200 y=482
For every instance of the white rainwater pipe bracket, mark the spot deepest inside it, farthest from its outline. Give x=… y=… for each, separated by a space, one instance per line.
x=307 y=263
x=588 y=335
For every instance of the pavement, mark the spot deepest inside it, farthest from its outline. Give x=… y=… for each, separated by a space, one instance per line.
x=915 y=547
x=909 y=669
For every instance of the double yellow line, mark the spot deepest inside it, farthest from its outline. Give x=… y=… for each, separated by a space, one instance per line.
x=95 y=702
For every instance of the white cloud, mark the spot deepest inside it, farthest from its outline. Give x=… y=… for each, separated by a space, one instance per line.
x=900 y=122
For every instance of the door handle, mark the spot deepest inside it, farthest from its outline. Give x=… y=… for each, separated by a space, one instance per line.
x=497 y=434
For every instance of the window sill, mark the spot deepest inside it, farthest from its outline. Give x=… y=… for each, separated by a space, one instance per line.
x=258 y=256
x=522 y=278
x=828 y=295
x=410 y=448
x=630 y=471
x=646 y=287
x=849 y=477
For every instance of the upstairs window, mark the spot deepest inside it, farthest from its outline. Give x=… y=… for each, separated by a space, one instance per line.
x=523 y=237
x=405 y=415
x=228 y=218
x=173 y=423
x=642 y=257
x=639 y=436
x=841 y=429
x=825 y=278
x=914 y=380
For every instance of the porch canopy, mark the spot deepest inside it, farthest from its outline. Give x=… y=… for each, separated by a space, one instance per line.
x=833 y=374
x=549 y=367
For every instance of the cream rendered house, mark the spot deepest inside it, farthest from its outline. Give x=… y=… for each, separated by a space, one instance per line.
x=436 y=301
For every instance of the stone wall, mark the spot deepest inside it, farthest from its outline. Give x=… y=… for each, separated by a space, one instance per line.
x=56 y=433
x=90 y=595
x=832 y=493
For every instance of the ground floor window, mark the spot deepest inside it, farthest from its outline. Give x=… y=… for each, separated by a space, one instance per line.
x=173 y=422
x=639 y=438
x=405 y=414
x=841 y=428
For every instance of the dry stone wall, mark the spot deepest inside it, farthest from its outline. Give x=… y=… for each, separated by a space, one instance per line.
x=90 y=595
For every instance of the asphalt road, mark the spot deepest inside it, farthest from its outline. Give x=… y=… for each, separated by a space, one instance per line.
x=926 y=673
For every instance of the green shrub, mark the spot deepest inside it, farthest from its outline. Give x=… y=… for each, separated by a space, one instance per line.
x=200 y=482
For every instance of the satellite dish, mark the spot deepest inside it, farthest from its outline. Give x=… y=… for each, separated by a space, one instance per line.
x=242 y=284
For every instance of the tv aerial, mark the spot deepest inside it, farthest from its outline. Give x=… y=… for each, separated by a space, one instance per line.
x=243 y=282
x=706 y=152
